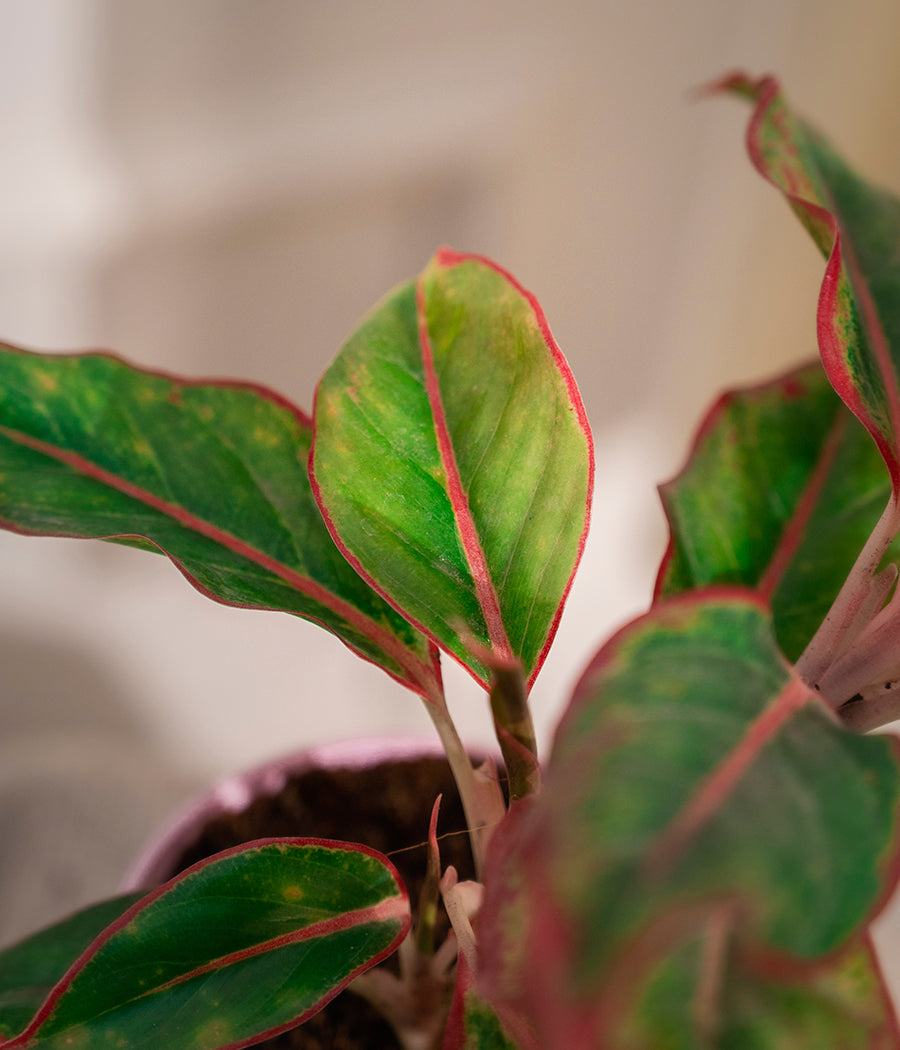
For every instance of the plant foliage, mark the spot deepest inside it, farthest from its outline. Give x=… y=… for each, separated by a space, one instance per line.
x=714 y=832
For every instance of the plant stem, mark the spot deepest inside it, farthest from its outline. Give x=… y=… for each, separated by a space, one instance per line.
x=872 y=711
x=831 y=637
x=415 y=1004
x=515 y=731
x=477 y=816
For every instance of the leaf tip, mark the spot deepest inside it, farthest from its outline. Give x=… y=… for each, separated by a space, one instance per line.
x=737 y=82
x=445 y=257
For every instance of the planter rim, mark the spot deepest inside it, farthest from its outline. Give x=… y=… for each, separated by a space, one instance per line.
x=233 y=793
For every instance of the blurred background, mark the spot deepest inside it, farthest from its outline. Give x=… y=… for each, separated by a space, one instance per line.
x=223 y=188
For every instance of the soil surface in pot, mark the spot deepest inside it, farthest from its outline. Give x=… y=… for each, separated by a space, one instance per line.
x=386 y=807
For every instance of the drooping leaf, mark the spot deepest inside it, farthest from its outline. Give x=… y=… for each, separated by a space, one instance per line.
x=857 y=226
x=212 y=474
x=780 y=493
x=30 y=968
x=693 y=771
x=248 y=943
x=453 y=461
x=691 y=998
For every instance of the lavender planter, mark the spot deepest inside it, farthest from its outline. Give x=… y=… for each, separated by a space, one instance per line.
x=156 y=861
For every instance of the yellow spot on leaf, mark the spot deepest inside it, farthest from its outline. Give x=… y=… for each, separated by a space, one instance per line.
x=205 y=413
x=46 y=381
x=77 y=1037
x=216 y=1033
x=264 y=437
x=141 y=448
x=293 y=893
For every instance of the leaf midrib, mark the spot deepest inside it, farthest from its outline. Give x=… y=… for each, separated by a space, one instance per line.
x=386 y=910
x=388 y=642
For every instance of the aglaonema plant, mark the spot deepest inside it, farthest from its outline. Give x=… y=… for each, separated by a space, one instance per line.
x=698 y=863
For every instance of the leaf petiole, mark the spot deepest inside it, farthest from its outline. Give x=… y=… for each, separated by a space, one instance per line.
x=515 y=730
x=852 y=611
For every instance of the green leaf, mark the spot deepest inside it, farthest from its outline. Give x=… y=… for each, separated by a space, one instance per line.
x=483 y=1030
x=212 y=474
x=858 y=227
x=473 y=1023
x=692 y=772
x=249 y=943
x=453 y=462
x=839 y=1004
x=29 y=969
x=780 y=493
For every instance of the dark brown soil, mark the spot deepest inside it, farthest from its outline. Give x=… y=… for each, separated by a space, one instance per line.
x=386 y=807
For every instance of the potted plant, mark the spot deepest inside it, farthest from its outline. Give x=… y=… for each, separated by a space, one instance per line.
x=698 y=862
x=378 y=791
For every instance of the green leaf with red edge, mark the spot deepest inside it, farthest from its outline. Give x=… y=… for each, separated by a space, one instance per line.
x=30 y=968
x=473 y=1023
x=245 y=944
x=858 y=227
x=693 y=771
x=213 y=474
x=838 y=1004
x=780 y=493
x=453 y=461
x=480 y=1028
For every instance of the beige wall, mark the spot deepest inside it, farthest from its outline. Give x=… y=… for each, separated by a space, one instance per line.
x=223 y=187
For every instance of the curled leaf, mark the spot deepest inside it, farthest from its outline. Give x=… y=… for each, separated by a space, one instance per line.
x=857 y=226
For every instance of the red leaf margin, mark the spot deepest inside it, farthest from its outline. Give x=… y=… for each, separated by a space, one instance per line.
x=790 y=385
x=765 y=92
x=763 y=727
x=456 y=1033
x=423 y=678
x=548 y=940
x=399 y=902
x=447 y=258
x=892 y=1036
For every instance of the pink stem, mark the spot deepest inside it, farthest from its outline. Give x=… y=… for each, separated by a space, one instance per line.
x=843 y=617
x=478 y=814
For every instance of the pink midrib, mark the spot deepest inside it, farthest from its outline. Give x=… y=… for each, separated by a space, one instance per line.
x=448 y=258
x=391 y=646
x=795 y=528
x=465 y=523
x=714 y=789
x=384 y=911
